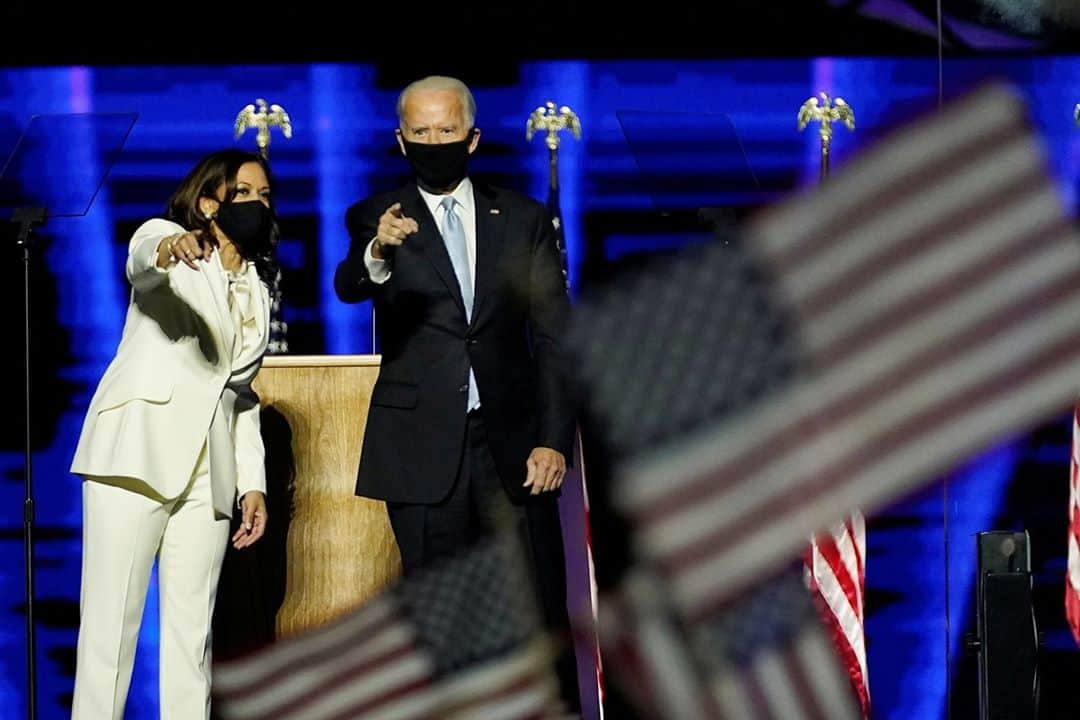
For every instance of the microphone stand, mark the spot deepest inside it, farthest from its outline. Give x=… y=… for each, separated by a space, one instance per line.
x=26 y=219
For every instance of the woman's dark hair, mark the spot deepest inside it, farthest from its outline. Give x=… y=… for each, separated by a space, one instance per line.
x=213 y=171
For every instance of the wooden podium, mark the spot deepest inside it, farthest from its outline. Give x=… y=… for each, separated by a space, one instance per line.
x=339 y=548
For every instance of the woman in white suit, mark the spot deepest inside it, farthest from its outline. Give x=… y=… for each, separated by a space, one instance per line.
x=171 y=440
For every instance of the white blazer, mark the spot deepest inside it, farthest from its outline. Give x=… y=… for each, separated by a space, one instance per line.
x=174 y=384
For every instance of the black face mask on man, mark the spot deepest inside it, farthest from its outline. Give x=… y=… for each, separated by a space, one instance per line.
x=248 y=225
x=440 y=165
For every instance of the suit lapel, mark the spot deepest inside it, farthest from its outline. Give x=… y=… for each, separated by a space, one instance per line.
x=489 y=241
x=429 y=242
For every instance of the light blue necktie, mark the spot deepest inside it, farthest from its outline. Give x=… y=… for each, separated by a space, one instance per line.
x=453 y=233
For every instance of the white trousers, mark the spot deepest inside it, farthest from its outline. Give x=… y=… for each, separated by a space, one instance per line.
x=125 y=526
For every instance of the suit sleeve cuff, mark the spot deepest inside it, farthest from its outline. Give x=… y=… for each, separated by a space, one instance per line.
x=149 y=251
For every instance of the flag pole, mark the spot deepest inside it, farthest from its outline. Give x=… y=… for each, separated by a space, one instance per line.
x=551 y=120
x=847 y=539
x=1072 y=567
x=826 y=111
x=261 y=119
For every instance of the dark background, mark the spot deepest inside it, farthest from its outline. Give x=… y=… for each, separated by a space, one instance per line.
x=401 y=37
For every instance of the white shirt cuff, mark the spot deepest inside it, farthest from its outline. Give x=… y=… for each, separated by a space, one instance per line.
x=377 y=268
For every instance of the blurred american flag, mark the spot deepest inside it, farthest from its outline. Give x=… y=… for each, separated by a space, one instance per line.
x=851 y=346
x=456 y=641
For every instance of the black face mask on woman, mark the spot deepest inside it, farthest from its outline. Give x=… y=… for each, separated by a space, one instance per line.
x=248 y=225
x=440 y=165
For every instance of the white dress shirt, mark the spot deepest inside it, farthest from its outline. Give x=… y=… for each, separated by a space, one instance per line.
x=379 y=270
x=245 y=351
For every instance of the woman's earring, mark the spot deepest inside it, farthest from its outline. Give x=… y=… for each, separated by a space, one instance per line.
x=209 y=215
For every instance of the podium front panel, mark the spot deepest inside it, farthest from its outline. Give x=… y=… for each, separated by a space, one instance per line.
x=340 y=547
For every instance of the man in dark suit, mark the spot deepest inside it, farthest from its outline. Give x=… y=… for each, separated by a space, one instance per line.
x=469 y=414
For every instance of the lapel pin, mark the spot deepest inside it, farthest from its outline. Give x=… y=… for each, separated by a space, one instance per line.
x=494 y=211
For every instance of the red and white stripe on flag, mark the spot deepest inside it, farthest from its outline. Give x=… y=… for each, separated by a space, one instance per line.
x=579 y=463
x=836 y=574
x=670 y=670
x=1072 y=580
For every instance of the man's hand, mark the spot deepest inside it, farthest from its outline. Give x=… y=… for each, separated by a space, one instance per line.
x=546 y=470
x=253 y=522
x=393 y=229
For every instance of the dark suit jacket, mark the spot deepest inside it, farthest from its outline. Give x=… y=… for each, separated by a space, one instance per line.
x=416 y=424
